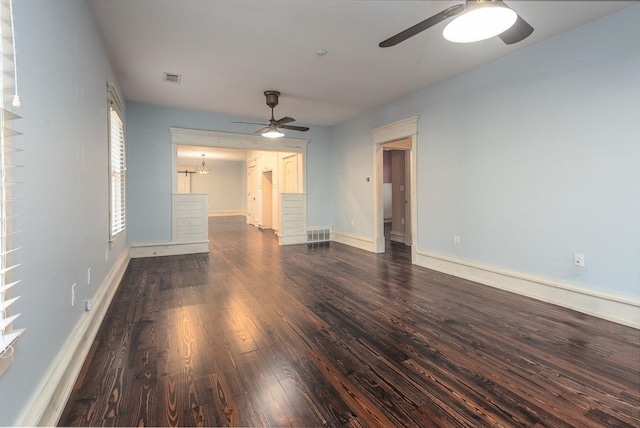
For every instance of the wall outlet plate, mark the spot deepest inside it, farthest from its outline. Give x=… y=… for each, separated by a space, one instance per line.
x=578 y=259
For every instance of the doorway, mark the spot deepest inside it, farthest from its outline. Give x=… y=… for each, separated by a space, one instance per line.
x=397 y=168
x=266 y=152
x=267 y=200
x=252 y=191
x=401 y=136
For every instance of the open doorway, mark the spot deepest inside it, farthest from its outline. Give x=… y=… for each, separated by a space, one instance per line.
x=269 y=166
x=267 y=200
x=397 y=137
x=397 y=191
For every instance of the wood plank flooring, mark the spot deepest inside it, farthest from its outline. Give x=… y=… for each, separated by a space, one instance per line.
x=254 y=334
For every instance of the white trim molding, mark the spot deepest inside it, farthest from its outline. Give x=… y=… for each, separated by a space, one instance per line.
x=47 y=404
x=158 y=249
x=397 y=237
x=614 y=307
x=362 y=242
x=405 y=128
x=396 y=130
x=292 y=239
x=197 y=137
x=227 y=213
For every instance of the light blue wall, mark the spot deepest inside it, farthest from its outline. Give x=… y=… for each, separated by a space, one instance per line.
x=529 y=159
x=149 y=166
x=63 y=70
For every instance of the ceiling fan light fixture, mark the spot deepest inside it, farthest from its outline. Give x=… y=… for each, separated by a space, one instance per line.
x=479 y=22
x=273 y=132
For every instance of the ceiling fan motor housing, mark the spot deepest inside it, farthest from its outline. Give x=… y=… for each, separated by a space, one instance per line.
x=272 y=98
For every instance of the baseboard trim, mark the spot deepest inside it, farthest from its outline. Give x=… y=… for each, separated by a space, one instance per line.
x=226 y=213
x=46 y=406
x=168 y=249
x=292 y=239
x=396 y=237
x=363 y=242
x=610 y=306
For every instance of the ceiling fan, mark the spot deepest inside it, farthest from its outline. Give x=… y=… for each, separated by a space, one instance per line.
x=475 y=20
x=272 y=129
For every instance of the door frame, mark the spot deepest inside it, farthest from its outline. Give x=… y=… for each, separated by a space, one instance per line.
x=266 y=179
x=406 y=128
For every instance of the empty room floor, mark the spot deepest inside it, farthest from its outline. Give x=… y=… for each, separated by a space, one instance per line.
x=254 y=334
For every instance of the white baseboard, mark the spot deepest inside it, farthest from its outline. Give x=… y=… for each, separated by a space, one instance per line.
x=46 y=406
x=226 y=213
x=614 y=307
x=168 y=249
x=363 y=242
x=396 y=237
x=292 y=239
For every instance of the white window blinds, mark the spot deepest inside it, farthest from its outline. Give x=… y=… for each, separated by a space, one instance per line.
x=117 y=164
x=8 y=81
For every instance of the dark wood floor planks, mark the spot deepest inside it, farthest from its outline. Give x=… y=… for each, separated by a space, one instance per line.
x=254 y=334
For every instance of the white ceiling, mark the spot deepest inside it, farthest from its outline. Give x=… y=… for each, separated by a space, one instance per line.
x=230 y=51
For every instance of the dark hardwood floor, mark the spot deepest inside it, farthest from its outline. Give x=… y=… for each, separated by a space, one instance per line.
x=254 y=334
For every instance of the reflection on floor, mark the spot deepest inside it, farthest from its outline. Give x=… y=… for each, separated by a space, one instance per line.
x=254 y=334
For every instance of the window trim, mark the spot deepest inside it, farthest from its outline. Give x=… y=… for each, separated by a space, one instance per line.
x=115 y=106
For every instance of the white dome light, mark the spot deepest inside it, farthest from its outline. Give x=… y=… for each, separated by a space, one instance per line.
x=480 y=22
x=273 y=132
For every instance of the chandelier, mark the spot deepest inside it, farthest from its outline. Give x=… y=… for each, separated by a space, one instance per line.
x=202 y=169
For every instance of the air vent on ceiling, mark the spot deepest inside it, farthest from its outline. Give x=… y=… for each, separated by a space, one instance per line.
x=172 y=77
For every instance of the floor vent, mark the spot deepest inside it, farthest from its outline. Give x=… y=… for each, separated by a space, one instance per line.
x=318 y=235
x=172 y=77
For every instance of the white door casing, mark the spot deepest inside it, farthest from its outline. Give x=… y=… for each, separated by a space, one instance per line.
x=406 y=128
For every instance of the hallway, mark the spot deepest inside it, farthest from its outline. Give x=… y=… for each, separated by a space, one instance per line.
x=254 y=334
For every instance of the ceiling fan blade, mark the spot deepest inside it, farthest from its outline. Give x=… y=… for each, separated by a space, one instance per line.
x=518 y=32
x=294 y=128
x=420 y=27
x=284 y=120
x=251 y=123
x=262 y=130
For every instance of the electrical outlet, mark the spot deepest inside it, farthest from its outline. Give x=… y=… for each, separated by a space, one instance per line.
x=353 y=222
x=73 y=294
x=87 y=305
x=456 y=239
x=106 y=255
x=89 y=276
x=578 y=259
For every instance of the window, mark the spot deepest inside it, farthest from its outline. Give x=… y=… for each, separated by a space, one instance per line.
x=117 y=165
x=8 y=81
